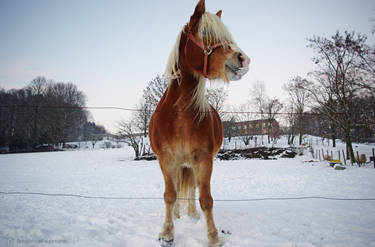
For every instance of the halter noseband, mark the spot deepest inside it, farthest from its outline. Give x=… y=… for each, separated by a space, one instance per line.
x=206 y=50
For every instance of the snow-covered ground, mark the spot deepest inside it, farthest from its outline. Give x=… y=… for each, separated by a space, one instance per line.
x=36 y=220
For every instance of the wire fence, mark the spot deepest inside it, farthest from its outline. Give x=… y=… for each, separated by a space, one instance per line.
x=183 y=199
x=152 y=110
x=221 y=112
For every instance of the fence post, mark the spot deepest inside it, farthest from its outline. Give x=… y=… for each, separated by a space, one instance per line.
x=359 y=164
x=373 y=156
x=343 y=156
x=338 y=152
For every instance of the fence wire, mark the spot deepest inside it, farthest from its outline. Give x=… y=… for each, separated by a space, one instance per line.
x=183 y=199
x=152 y=110
x=304 y=114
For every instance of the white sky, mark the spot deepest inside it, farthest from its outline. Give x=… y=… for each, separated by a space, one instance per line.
x=111 y=49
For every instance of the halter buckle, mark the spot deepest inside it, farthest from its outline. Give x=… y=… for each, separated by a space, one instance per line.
x=208 y=50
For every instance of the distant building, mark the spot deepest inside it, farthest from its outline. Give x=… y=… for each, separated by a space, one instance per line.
x=252 y=128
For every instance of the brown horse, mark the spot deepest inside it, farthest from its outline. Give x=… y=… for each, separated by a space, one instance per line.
x=185 y=131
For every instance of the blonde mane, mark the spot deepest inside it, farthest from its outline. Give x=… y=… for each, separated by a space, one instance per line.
x=172 y=71
x=212 y=30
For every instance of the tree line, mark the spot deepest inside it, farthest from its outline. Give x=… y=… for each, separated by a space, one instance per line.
x=44 y=113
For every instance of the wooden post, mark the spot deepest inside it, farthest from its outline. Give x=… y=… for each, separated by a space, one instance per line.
x=332 y=155
x=343 y=156
x=363 y=159
x=373 y=157
x=359 y=164
x=338 y=152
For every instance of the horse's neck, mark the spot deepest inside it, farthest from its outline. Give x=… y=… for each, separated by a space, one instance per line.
x=188 y=96
x=188 y=92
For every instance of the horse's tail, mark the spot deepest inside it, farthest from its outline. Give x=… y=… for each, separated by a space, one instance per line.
x=187 y=185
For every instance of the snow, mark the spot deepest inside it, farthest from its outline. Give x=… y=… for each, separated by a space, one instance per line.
x=36 y=220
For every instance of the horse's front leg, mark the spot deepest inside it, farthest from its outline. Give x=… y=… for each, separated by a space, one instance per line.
x=170 y=194
x=204 y=168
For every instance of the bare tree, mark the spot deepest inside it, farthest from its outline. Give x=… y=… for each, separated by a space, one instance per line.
x=291 y=120
x=258 y=96
x=229 y=122
x=258 y=99
x=367 y=55
x=299 y=98
x=216 y=96
x=272 y=108
x=143 y=115
x=127 y=131
x=155 y=90
x=229 y=129
x=150 y=98
x=246 y=115
x=37 y=89
x=364 y=127
x=267 y=107
x=339 y=78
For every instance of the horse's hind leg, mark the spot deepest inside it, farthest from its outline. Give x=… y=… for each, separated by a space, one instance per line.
x=192 y=210
x=170 y=194
x=178 y=189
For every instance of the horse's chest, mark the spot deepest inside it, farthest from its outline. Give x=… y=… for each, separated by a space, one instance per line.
x=181 y=130
x=189 y=133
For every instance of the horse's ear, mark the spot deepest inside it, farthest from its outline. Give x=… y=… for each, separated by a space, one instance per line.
x=199 y=9
x=219 y=13
x=195 y=18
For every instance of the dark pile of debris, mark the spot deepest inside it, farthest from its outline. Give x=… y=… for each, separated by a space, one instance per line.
x=146 y=157
x=256 y=153
x=264 y=153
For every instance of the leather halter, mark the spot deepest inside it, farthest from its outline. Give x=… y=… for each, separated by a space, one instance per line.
x=206 y=50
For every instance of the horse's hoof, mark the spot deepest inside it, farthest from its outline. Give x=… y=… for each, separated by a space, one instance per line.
x=218 y=244
x=166 y=242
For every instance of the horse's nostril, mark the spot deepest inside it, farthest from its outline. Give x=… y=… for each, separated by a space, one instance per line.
x=241 y=58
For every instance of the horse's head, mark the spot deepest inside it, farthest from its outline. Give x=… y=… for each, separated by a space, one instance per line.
x=207 y=48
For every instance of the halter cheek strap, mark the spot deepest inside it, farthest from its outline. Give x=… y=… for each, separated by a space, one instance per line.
x=206 y=50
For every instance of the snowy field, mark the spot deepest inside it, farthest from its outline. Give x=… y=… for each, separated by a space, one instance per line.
x=36 y=220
